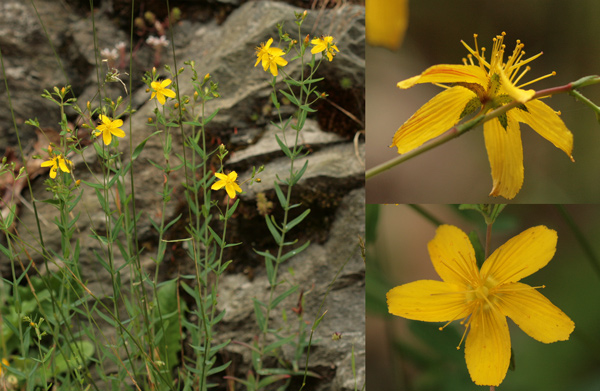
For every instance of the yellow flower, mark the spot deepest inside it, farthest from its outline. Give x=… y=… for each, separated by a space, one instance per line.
x=324 y=44
x=55 y=162
x=484 y=298
x=228 y=182
x=160 y=90
x=270 y=57
x=386 y=22
x=5 y=363
x=484 y=87
x=109 y=128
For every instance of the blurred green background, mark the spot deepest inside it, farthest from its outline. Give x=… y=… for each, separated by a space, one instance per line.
x=566 y=31
x=404 y=355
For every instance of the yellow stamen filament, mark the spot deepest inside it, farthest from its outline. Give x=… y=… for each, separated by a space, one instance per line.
x=527 y=69
x=539 y=78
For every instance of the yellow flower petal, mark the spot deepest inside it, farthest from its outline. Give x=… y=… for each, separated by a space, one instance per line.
x=386 y=22
x=432 y=119
x=487 y=350
x=218 y=184
x=169 y=93
x=521 y=256
x=547 y=124
x=230 y=189
x=535 y=314
x=428 y=300
x=453 y=256
x=505 y=153
x=106 y=137
x=118 y=132
x=47 y=163
x=445 y=74
x=165 y=83
x=62 y=163
x=516 y=93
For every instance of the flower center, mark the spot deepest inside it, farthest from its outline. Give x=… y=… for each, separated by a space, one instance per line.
x=484 y=294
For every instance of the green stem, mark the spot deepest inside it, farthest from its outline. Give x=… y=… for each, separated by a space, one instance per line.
x=488 y=239
x=458 y=130
x=583 y=242
x=428 y=216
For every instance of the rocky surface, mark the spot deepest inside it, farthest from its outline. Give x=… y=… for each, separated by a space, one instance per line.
x=332 y=187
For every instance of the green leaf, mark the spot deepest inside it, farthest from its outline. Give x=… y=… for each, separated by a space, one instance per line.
x=314 y=327
x=297 y=220
x=73 y=356
x=274 y=231
x=215 y=236
x=280 y=195
x=232 y=209
x=294 y=252
x=140 y=147
x=210 y=117
x=479 y=252
x=218 y=369
x=274 y=100
x=283 y=147
x=270 y=271
x=291 y=98
x=265 y=381
x=260 y=317
x=281 y=297
x=298 y=175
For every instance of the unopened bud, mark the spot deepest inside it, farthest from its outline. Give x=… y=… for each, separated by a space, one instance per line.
x=139 y=23
x=306 y=40
x=150 y=17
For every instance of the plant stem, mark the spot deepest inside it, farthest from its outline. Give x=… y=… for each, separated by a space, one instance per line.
x=583 y=241
x=488 y=239
x=457 y=130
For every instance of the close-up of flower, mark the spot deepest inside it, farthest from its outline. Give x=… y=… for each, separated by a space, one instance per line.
x=55 y=162
x=108 y=129
x=270 y=57
x=484 y=298
x=228 y=182
x=324 y=44
x=480 y=88
x=160 y=90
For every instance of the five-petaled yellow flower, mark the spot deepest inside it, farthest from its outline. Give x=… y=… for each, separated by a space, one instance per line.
x=109 y=128
x=484 y=298
x=324 y=44
x=55 y=162
x=270 y=57
x=160 y=90
x=228 y=182
x=484 y=87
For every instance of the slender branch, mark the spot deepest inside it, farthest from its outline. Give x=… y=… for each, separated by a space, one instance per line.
x=457 y=130
x=428 y=216
x=583 y=241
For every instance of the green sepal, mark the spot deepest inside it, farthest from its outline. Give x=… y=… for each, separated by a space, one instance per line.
x=470 y=107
